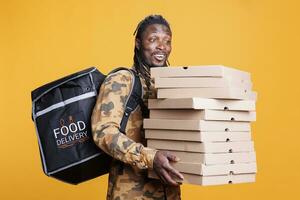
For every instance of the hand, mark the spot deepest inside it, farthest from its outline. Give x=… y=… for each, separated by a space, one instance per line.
x=163 y=168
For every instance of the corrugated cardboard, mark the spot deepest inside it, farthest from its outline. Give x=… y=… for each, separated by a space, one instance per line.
x=197 y=136
x=212 y=170
x=217 y=93
x=184 y=114
x=211 y=82
x=215 y=158
x=205 y=147
x=196 y=125
x=198 y=71
x=202 y=103
x=212 y=180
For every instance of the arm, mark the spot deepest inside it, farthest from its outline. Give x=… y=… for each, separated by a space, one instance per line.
x=106 y=118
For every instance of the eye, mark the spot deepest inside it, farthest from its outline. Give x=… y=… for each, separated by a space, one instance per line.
x=152 y=39
x=167 y=42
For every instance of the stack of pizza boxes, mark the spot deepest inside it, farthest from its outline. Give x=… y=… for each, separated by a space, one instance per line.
x=202 y=114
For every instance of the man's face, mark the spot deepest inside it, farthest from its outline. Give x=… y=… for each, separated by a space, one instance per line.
x=155 y=45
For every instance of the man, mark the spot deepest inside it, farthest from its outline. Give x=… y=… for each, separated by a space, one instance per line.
x=128 y=174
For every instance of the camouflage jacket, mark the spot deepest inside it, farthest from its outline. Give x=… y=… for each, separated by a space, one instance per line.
x=128 y=173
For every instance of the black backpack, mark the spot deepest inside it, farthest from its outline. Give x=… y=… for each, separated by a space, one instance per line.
x=61 y=111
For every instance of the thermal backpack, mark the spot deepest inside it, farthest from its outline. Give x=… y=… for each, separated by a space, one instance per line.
x=61 y=112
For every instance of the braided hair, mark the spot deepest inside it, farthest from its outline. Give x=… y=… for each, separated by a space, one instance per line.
x=139 y=64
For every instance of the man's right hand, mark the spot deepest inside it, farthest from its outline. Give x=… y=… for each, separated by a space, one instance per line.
x=164 y=170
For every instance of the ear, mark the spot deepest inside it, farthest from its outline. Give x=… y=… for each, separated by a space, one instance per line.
x=137 y=43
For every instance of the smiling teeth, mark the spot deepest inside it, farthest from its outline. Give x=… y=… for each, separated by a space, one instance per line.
x=159 y=56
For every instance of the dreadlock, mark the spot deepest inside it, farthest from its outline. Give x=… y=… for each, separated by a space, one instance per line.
x=140 y=66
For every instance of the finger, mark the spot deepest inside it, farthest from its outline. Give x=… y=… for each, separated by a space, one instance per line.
x=159 y=174
x=172 y=157
x=168 y=178
x=175 y=178
x=163 y=180
x=172 y=170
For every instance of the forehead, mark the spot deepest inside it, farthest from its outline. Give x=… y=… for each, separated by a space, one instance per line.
x=156 y=28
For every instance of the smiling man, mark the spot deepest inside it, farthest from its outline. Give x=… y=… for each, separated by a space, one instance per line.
x=128 y=174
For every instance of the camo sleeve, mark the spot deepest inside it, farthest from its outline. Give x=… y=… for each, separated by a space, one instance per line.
x=106 y=118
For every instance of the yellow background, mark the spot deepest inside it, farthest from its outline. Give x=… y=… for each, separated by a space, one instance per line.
x=42 y=40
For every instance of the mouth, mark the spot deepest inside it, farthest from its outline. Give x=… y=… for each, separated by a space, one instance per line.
x=160 y=56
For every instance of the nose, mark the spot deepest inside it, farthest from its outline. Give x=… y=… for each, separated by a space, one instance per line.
x=161 y=45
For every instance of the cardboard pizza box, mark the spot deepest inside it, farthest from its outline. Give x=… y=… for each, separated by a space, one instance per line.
x=203 y=147
x=196 y=125
x=199 y=71
x=211 y=170
x=212 y=180
x=207 y=114
x=202 y=103
x=215 y=158
x=199 y=82
x=197 y=136
x=216 y=93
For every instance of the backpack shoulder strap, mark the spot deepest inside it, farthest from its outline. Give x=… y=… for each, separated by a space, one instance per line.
x=118 y=69
x=134 y=99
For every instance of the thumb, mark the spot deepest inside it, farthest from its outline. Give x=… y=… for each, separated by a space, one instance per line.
x=172 y=157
